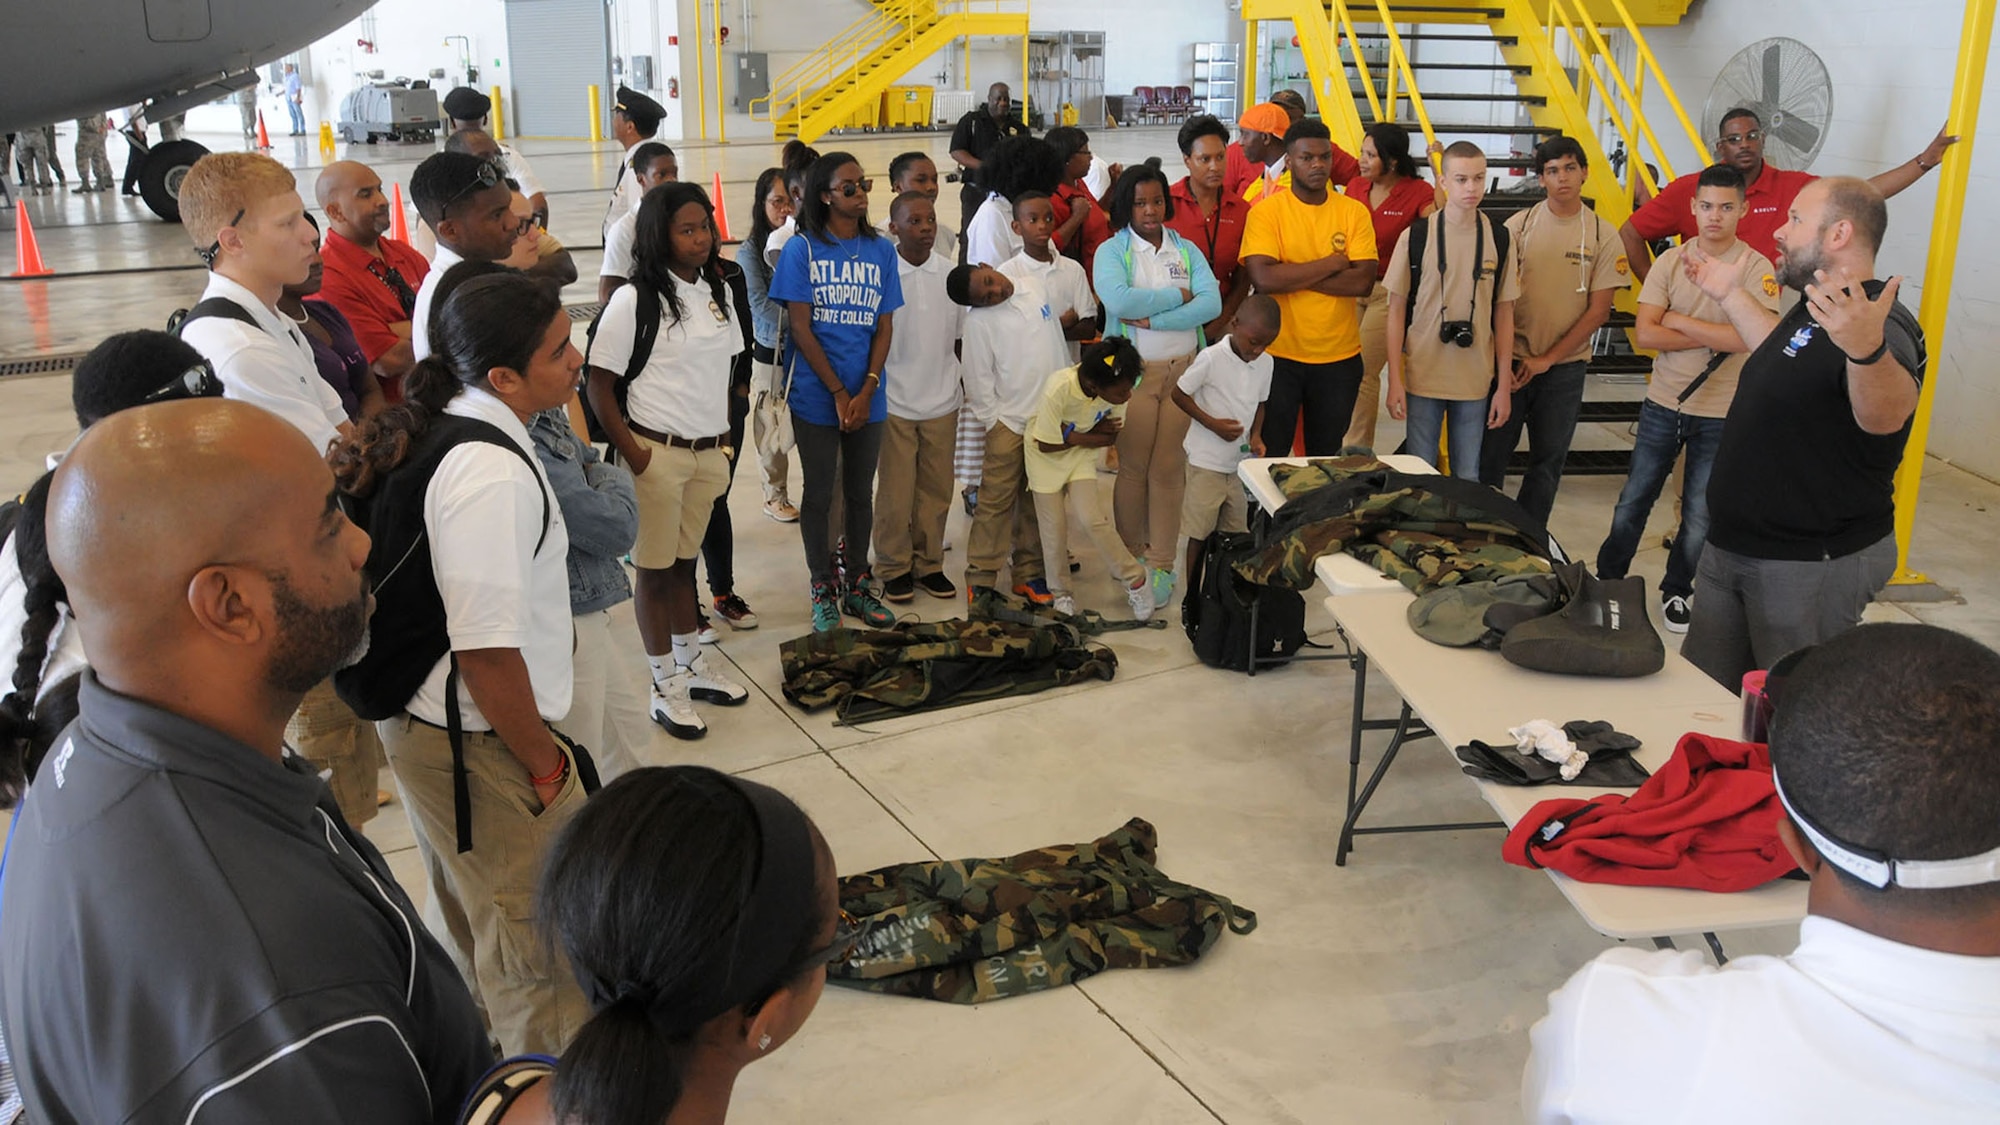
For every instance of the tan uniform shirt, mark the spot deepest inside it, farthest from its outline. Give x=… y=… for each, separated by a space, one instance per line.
x=1437 y=369
x=1668 y=287
x=1562 y=262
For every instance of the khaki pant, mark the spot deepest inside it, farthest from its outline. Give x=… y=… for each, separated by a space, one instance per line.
x=913 y=495
x=1374 y=357
x=1005 y=519
x=607 y=713
x=485 y=897
x=1152 y=465
x=327 y=733
x=773 y=464
x=1085 y=500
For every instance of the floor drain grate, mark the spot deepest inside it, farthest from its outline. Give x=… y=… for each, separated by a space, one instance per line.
x=40 y=365
x=580 y=313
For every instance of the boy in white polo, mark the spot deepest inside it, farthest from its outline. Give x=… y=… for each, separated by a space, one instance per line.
x=1223 y=391
x=672 y=429
x=921 y=378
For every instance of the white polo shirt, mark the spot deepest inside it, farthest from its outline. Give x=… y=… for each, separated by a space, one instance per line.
x=921 y=374
x=523 y=172
x=1849 y=1027
x=1162 y=267
x=989 y=234
x=1225 y=387
x=268 y=365
x=619 y=239
x=625 y=196
x=1067 y=286
x=483 y=512
x=420 y=316
x=684 y=388
x=1010 y=349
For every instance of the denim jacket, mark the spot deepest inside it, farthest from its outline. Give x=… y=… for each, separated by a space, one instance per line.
x=764 y=312
x=600 y=507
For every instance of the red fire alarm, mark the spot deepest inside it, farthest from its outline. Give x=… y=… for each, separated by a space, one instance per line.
x=673 y=40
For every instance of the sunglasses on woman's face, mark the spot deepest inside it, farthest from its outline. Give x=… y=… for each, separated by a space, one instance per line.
x=848 y=189
x=199 y=381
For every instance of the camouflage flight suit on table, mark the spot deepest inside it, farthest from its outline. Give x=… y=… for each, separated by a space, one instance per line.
x=970 y=930
x=1423 y=531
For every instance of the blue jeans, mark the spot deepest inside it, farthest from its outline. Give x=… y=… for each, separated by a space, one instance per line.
x=1424 y=417
x=1662 y=434
x=298 y=115
x=1547 y=408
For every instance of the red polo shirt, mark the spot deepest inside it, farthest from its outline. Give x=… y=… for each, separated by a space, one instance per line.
x=1096 y=224
x=1406 y=202
x=1219 y=237
x=1767 y=206
x=358 y=284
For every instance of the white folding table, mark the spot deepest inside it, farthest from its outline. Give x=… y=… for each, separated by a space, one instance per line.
x=1458 y=695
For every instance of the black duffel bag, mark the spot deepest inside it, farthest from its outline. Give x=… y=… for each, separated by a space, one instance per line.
x=1216 y=610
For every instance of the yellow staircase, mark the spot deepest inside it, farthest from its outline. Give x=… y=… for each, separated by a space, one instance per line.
x=843 y=80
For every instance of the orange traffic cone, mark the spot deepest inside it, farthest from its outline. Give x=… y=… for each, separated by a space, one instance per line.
x=27 y=256
x=721 y=212
x=399 y=227
x=263 y=134
x=35 y=295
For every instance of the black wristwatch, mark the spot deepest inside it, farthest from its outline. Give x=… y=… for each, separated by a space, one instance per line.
x=1873 y=357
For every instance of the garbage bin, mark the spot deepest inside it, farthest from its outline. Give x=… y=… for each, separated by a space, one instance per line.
x=907 y=107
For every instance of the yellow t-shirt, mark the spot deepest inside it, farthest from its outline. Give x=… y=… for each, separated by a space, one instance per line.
x=1063 y=404
x=1317 y=328
x=1562 y=262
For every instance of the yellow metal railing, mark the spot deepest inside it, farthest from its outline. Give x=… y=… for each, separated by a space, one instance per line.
x=1399 y=63
x=1626 y=110
x=879 y=29
x=1967 y=82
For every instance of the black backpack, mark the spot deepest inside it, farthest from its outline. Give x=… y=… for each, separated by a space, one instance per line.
x=407 y=634
x=1419 y=236
x=221 y=307
x=1216 y=611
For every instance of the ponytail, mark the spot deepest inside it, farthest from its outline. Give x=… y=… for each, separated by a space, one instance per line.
x=23 y=738
x=621 y=1067
x=379 y=445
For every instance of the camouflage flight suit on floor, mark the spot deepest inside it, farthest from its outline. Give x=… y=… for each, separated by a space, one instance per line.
x=923 y=666
x=970 y=930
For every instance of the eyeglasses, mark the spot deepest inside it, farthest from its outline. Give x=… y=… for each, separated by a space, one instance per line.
x=1741 y=138
x=199 y=381
x=844 y=936
x=488 y=176
x=848 y=189
x=214 y=250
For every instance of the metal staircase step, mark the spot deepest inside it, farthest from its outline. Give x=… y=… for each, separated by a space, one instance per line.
x=1484 y=130
x=1490 y=67
x=1612 y=363
x=1435 y=37
x=1608 y=410
x=1518 y=99
x=1444 y=10
x=1581 y=463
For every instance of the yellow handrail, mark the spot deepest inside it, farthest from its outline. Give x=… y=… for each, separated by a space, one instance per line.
x=1562 y=19
x=1646 y=57
x=1624 y=88
x=1345 y=23
x=1399 y=60
x=854 y=42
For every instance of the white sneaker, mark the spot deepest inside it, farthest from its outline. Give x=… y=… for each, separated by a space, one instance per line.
x=673 y=709
x=711 y=687
x=1141 y=599
x=1677 y=611
x=705 y=631
x=781 y=510
x=1065 y=605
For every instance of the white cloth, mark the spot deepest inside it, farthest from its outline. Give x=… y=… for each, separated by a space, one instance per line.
x=921 y=374
x=268 y=365
x=1010 y=349
x=619 y=239
x=684 y=388
x=607 y=715
x=1067 y=286
x=1224 y=387
x=420 y=318
x=989 y=235
x=65 y=646
x=781 y=236
x=522 y=171
x=1546 y=740
x=1098 y=179
x=483 y=512
x=1161 y=267
x=625 y=197
x=1848 y=1027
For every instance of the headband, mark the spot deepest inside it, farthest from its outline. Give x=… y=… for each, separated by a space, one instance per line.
x=762 y=940
x=1878 y=869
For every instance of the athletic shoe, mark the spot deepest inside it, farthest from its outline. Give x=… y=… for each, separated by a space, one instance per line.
x=674 y=709
x=937 y=585
x=971 y=497
x=825 y=608
x=1036 y=591
x=709 y=686
x=1140 y=596
x=1065 y=605
x=858 y=600
x=1678 y=610
x=1163 y=588
x=736 y=611
x=899 y=589
x=781 y=509
x=705 y=631
x=980 y=601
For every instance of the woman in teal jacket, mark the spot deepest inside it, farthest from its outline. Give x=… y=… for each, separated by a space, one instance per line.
x=1157 y=289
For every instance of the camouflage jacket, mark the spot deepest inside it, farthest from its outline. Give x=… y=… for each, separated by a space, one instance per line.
x=970 y=930
x=926 y=665
x=1423 y=531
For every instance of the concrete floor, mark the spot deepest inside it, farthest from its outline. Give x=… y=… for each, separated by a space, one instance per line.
x=1399 y=988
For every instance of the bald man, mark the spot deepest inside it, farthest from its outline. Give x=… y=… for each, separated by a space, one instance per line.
x=190 y=931
x=371 y=278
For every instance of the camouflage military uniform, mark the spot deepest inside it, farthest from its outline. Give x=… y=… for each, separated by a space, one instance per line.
x=923 y=666
x=90 y=156
x=970 y=930
x=1423 y=531
x=34 y=160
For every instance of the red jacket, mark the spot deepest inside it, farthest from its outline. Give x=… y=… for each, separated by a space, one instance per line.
x=1708 y=820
